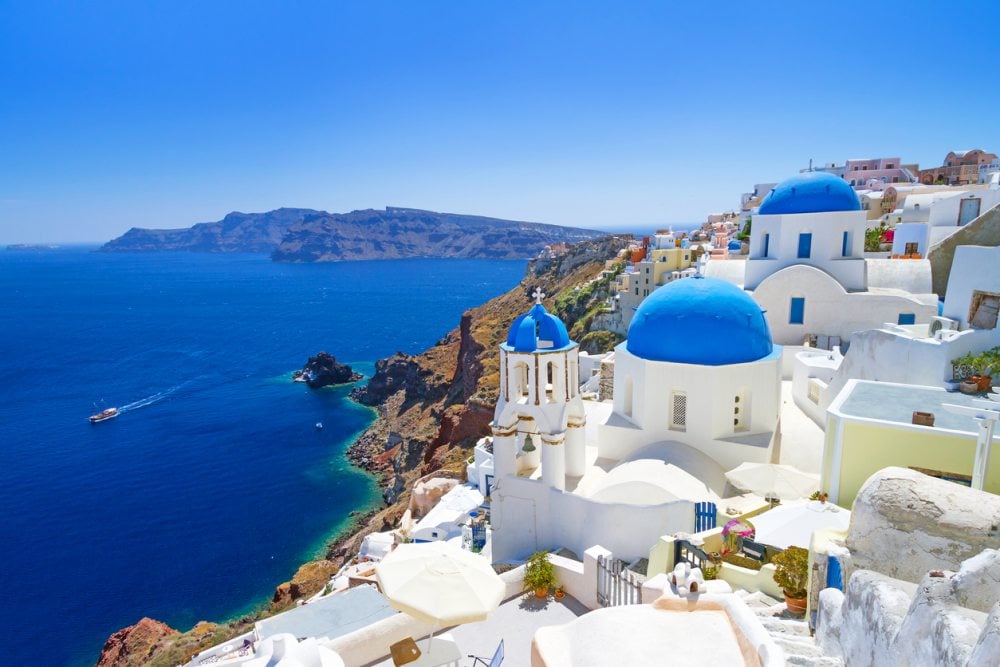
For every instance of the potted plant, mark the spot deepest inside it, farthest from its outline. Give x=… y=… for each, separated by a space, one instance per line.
x=560 y=593
x=539 y=574
x=792 y=574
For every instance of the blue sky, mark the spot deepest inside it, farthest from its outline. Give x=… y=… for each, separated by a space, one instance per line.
x=607 y=115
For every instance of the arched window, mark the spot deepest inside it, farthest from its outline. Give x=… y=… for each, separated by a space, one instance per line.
x=521 y=380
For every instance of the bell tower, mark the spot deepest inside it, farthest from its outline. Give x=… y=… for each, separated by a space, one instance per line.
x=539 y=417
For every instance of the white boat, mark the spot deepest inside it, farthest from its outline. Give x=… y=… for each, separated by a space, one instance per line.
x=104 y=415
x=319 y=426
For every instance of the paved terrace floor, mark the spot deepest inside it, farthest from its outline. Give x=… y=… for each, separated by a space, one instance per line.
x=515 y=621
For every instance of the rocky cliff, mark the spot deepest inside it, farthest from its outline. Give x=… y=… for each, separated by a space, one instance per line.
x=323 y=370
x=305 y=235
x=237 y=232
x=432 y=407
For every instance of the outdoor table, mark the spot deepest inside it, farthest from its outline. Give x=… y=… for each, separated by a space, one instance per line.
x=442 y=651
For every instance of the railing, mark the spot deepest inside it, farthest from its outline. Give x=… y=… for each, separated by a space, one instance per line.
x=685 y=551
x=615 y=585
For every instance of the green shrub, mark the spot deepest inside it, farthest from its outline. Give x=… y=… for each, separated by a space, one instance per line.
x=792 y=571
x=539 y=572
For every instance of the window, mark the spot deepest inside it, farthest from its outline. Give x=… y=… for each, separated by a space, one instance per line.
x=741 y=411
x=678 y=411
x=805 y=245
x=845 y=248
x=798 y=310
x=910 y=249
x=907 y=318
x=767 y=244
x=984 y=310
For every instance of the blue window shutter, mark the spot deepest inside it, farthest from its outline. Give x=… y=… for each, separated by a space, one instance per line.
x=767 y=242
x=907 y=318
x=805 y=245
x=844 y=249
x=798 y=310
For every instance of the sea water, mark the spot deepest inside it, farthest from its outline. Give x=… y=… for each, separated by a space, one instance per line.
x=213 y=484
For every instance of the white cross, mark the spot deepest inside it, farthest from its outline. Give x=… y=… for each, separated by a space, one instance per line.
x=538 y=294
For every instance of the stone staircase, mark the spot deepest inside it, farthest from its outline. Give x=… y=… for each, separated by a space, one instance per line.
x=789 y=632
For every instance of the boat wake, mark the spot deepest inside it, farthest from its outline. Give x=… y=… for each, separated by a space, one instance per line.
x=149 y=400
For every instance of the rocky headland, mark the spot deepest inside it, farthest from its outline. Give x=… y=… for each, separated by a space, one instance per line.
x=431 y=409
x=306 y=235
x=323 y=370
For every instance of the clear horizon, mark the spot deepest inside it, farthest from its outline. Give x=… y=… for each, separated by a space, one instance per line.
x=163 y=115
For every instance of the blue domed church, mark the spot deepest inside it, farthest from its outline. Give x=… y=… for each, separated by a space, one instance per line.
x=808 y=270
x=698 y=368
x=696 y=393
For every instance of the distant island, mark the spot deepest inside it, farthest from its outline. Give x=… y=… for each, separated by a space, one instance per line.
x=306 y=235
x=32 y=246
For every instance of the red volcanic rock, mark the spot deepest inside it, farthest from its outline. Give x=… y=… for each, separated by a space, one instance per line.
x=135 y=644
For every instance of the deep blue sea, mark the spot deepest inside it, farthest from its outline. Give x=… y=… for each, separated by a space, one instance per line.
x=214 y=484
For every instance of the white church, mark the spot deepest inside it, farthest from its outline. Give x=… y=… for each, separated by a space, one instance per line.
x=808 y=270
x=696 y=393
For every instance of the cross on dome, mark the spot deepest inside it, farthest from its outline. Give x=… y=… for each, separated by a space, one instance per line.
x=538 y=294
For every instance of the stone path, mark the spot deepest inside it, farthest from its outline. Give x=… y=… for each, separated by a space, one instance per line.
x=789 y=632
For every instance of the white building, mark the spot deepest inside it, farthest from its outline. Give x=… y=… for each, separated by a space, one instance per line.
x=698 y=368
x=807 y=270
x=928 y=219
x=696 y=393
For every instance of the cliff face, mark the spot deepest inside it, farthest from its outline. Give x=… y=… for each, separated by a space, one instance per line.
x=135 y=644
x=305 y=235
x=432 y=404
x=237 y=232
x=402 y=232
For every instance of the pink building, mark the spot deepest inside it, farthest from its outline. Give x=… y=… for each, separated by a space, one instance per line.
x=875 y=174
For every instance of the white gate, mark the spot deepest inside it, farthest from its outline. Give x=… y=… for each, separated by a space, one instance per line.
x=616 y=585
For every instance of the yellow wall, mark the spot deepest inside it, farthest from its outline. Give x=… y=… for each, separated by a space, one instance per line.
x=867 y=448
x=670 y=259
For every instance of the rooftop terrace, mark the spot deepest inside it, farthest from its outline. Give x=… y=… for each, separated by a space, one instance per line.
x=897 y=402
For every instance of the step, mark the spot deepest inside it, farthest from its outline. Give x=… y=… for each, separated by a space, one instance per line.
x=785 y=626
x=798 y=645
x=813 y=661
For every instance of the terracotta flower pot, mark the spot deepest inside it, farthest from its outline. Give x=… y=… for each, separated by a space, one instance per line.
x=795 y=605
x=541 y=593
x=969 y=387
x=559 y=594
x=984 y=382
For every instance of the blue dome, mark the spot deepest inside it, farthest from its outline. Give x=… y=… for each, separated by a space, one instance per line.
x=704 y=321
x=810 y=192
x=734 y=245
x=537 y=330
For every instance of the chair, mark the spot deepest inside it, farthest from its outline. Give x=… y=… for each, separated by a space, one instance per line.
x=495 y=661
x=404 y=651
x=754 y=550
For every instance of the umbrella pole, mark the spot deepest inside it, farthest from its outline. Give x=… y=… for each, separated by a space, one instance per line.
x=429 y=638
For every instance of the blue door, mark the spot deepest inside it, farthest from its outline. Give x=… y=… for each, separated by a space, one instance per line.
x=798 y=310
x=805 y=245
x=704 y=516
x=834 y=575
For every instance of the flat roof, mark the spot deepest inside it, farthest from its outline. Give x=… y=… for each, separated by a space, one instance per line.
x=332 y=616
x=897 y=402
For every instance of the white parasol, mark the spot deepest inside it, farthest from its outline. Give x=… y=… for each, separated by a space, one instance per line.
x=439 y=583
